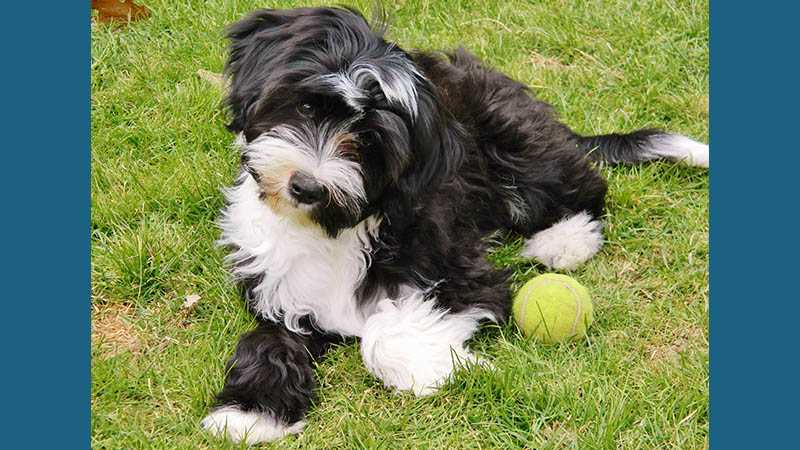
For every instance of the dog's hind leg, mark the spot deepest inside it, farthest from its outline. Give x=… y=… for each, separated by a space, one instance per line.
x=567 y=243
x=577 y=234
x=269 y=385
x=558 y=217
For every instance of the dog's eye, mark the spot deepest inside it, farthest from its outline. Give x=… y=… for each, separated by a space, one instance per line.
x=365 y=140
x=306 y=109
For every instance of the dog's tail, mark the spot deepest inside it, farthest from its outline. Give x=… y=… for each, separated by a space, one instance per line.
x=644 y=145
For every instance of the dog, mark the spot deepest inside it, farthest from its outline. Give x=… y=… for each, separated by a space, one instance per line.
x=370 y=179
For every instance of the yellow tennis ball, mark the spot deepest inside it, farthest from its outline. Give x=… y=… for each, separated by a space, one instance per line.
x=553 y=308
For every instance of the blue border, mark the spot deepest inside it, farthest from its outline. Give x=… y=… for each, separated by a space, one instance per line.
x=754 y=193
x=754 y=233
x=46 y=225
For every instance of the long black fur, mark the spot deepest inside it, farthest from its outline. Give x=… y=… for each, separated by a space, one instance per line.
x=272 y=370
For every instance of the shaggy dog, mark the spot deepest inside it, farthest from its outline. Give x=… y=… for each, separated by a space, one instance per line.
x=370 y=178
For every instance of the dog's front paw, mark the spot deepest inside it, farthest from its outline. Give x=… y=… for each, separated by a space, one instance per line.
x=250 y=426
x=413 y=346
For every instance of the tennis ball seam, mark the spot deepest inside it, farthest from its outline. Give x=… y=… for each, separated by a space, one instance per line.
x=574 y=295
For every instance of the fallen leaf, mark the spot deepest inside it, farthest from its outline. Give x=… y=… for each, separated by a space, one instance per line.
x=116 y=10
x=214 y=78
x=191 y=300
x=211 y=77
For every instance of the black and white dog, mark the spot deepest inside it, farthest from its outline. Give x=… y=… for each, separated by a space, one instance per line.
x=370 y=178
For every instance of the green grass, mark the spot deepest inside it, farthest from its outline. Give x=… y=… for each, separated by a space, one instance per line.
x=160 y=155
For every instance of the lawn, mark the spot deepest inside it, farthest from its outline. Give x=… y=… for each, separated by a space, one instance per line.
x=165 y=316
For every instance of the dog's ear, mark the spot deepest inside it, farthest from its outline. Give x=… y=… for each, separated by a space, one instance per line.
x=255 y=43
x=436 y=141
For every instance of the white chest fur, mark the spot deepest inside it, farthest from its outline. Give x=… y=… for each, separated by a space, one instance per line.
x=304 y=271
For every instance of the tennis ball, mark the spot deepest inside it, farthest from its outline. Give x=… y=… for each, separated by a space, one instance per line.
x=553 y=308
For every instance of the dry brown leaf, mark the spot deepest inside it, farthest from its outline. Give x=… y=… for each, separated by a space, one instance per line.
x=214 y=78
x=116 y=10
x=211 y=77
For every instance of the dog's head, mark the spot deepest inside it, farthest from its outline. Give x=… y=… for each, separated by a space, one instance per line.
x=337 y=123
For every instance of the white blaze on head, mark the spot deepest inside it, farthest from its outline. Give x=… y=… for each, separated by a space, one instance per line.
x=278 y=153
x=397 y=81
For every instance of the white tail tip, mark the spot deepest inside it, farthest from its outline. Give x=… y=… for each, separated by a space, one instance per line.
x=675 y=147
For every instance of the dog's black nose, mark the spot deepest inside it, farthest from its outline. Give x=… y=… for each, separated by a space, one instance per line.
x=305 y=189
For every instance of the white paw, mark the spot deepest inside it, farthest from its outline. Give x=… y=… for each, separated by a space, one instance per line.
x=412 y=346
x=567 y=243
x=249 y=426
